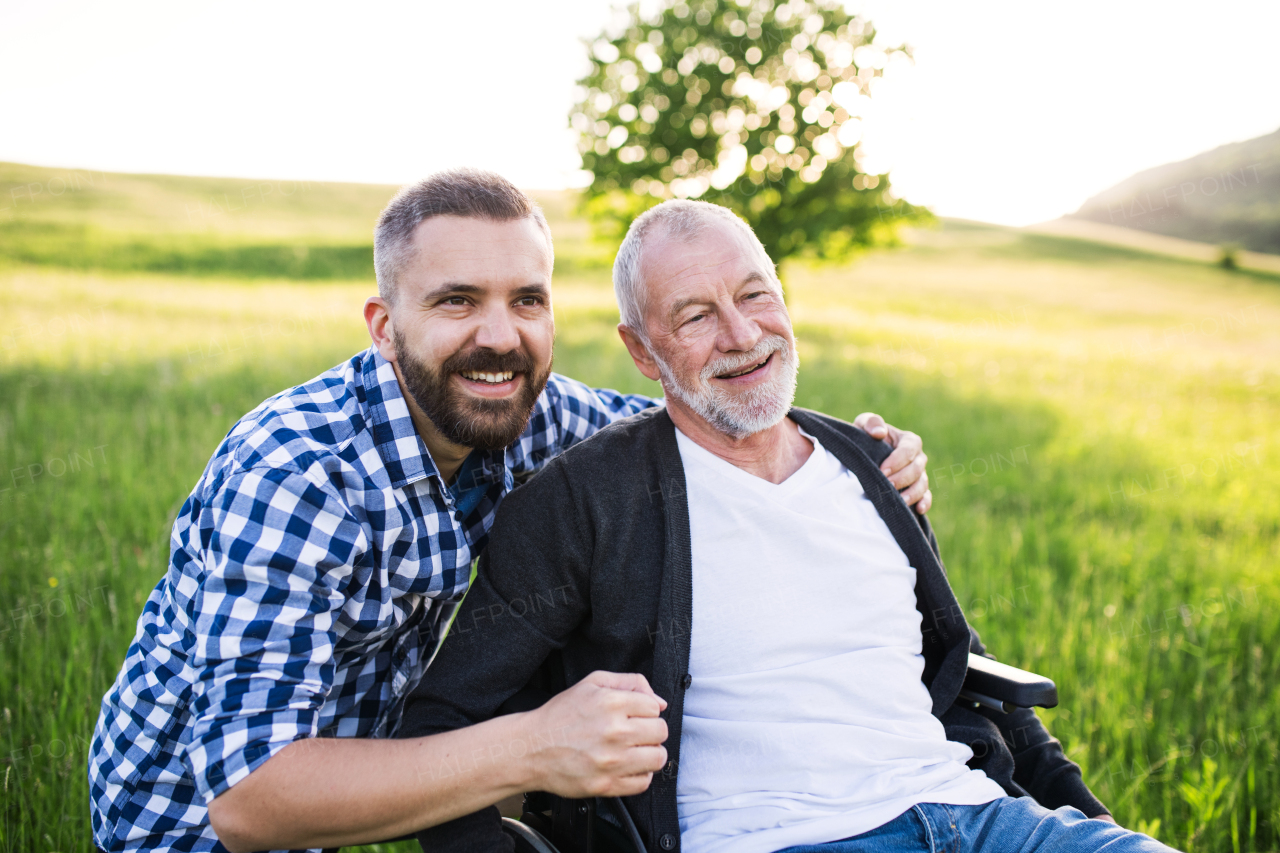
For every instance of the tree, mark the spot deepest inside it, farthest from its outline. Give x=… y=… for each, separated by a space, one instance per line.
x=745 y=103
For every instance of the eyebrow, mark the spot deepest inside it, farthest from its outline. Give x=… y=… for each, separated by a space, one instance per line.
x=532 y=290
x=682 y=304
x=458 y=288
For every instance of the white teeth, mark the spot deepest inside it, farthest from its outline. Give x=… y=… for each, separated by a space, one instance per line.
x=744 y=370
x=491 y=378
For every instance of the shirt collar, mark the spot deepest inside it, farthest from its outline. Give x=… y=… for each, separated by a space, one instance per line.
x=404 y=454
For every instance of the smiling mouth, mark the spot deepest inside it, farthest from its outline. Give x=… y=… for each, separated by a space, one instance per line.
x=746 y=370
x=488 y=378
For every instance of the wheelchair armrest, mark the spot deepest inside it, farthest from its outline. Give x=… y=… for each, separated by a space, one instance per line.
x=1004 y=688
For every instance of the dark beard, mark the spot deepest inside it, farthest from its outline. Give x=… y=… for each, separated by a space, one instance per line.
x=469 y=421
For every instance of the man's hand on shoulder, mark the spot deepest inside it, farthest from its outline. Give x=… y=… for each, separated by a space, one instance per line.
x=600 y=738
x=905 y=466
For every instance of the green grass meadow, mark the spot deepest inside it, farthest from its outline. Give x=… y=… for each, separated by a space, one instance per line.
x=1101 y=425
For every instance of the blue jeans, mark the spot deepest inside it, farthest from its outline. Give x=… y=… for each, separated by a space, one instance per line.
x=1005 y=825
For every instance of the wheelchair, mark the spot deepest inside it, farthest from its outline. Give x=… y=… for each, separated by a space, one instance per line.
x=551 y=824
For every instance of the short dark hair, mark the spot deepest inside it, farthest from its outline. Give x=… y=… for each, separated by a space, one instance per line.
x=454 y=192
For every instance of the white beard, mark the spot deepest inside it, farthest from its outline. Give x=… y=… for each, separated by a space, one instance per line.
x=751 y=411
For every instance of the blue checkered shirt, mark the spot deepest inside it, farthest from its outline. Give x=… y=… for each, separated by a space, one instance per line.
x=312 y=571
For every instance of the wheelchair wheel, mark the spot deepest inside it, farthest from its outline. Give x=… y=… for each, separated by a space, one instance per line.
x=527 y=839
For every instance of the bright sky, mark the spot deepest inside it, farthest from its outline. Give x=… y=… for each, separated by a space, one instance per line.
x=1013 y=112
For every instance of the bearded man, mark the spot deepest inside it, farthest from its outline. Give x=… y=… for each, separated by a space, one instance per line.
x=753 y=563
x=318 y=560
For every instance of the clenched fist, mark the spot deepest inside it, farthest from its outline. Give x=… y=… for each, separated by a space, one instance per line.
x=606 y=736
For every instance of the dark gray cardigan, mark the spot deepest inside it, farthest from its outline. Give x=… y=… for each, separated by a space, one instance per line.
x=588 y=567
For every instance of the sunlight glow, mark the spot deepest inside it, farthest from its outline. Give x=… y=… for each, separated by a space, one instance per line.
x=1051 y=107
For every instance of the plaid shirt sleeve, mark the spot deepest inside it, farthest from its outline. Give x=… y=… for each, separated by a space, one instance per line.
x=280 y=545
x=567 y=412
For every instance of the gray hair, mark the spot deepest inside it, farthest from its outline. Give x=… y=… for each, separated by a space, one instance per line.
x=455 y=192
x=678 y=219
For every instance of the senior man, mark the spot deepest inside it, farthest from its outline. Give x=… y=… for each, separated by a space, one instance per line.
x=750 y=560
x=320 y=556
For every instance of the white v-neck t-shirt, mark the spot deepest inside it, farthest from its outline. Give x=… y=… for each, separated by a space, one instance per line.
x=806 y=720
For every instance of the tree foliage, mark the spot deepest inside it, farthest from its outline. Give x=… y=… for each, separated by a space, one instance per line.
x=744 y=103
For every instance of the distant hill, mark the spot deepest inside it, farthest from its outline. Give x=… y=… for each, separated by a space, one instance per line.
x=237 y=227
x=1228 y=195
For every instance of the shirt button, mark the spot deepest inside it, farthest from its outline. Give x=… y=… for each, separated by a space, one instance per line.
x=667 y=842
x=686 y=681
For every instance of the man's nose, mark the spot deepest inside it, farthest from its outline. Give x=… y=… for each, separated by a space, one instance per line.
x=498 y=331
x=738 y=332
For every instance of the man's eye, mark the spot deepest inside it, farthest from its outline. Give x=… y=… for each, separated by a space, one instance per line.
x=695 y=318
x=455 y=300
x=529 y=301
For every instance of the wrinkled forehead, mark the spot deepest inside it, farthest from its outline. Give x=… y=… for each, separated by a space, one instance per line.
x=717 y=255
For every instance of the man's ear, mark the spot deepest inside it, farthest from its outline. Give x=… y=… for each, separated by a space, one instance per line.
x=639 y=352
x=377 y=316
